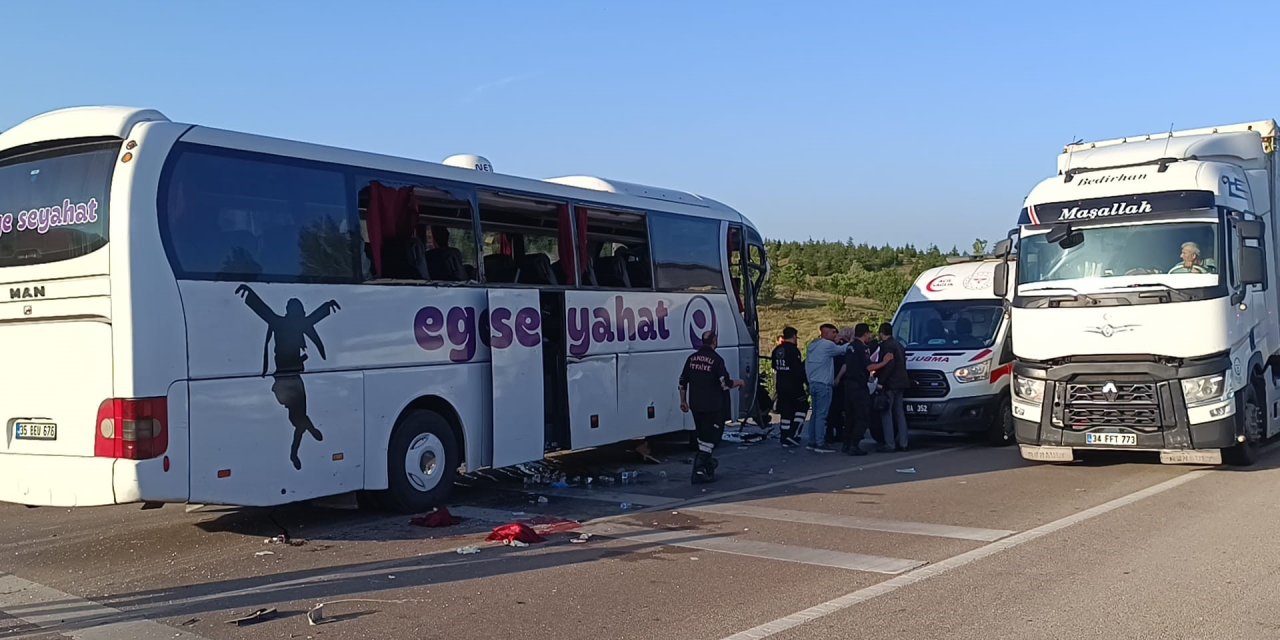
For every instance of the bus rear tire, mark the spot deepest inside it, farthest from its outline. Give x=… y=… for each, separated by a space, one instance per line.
x=422 y=463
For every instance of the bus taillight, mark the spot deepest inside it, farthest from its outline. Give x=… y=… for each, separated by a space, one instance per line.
x=132 y=429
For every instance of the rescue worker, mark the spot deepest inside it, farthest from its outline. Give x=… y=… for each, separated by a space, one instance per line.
x=792 y=387
x=704 y=387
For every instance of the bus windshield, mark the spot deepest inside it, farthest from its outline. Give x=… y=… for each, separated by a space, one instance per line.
x=949 y=324
x=53 y=203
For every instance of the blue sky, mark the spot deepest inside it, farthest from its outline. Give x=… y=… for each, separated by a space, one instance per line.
x=922 y=122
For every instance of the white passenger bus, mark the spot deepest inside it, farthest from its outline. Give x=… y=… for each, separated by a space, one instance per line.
x=198 y=315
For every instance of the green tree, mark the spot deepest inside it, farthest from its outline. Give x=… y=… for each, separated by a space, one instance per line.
x=979 y=247
x=788 y=281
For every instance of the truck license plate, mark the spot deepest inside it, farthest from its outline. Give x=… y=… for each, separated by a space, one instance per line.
x=917 y=409
x=1117 y=439
x=35 y=431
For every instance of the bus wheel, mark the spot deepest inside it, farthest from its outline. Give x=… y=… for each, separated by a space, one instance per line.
x=1000 y=433
x=1245 y=453
x=422 y=462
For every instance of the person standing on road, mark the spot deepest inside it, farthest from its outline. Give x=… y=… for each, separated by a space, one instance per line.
x=819 y=371
x=792 y=392
x=855 y=377
x=704 y=387
x=891 y=372
x=835 y=415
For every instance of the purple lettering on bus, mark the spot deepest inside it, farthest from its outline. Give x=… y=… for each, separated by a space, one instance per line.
x=460 y=328
x=462 y=333
x=503 y=332
x=528 y=324
x=427 y=325
x=618 y=322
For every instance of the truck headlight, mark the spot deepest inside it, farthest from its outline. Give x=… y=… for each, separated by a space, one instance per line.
x=1028 y=389
x=1205 y=389
x=973 y=372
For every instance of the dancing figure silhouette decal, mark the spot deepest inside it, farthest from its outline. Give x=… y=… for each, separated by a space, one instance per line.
x=290 y=332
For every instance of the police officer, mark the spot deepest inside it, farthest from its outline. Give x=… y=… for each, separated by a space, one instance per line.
x=857 y=396
x=704 y=387
x=793 y=394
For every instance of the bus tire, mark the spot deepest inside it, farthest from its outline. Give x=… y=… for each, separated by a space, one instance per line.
x=422 y=463
x=1000 y=433
x=1245 y=454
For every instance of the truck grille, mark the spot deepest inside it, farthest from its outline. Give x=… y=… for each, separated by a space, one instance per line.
x=1112 y=404
x=926 y=383
x=1123 y=393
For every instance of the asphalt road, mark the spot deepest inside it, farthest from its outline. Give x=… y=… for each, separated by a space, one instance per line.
x=951 y=540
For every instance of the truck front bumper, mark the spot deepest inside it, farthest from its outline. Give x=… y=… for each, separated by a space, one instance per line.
x=1153 y=417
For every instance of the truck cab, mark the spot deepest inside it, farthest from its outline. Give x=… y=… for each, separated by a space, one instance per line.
x=955 y=330
x=1142 y=313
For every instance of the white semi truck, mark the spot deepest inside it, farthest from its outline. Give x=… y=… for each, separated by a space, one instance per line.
x=1143 y=312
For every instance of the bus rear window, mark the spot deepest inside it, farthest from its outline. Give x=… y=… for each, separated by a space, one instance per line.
x=53 y=203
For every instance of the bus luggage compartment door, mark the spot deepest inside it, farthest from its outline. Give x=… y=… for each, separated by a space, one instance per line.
x=516 y=330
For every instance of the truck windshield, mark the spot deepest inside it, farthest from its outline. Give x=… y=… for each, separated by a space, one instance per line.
x=1181 y=254
x=949 y=324
x=53 y=203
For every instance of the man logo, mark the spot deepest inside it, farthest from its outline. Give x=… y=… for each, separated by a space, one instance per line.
x=1110 y=392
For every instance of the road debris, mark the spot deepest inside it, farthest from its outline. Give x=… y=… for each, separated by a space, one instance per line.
x=467 y=550
x=515 y=531
x=264 y=553
x=255 y=617
x=316 y=616
x=437 y=518
x=907 y=470
x=581 y=538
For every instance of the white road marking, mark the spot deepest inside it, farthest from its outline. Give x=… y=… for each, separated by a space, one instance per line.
x=855 y=522
x=58 y=612
x=924 y=573
x=766 y=550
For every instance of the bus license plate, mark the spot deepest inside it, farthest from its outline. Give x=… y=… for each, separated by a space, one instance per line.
x=35 y=431
x=1117 y=439
x=917 y=409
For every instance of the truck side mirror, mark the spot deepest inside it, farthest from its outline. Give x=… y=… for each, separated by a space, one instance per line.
x=1250 y=229
x=1002 y=247
x=1001 y=285
x=1253 y=267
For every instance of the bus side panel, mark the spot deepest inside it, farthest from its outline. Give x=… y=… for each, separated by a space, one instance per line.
x=465 y=387
x=593 y=401
x=649 y=380
x=244 y=430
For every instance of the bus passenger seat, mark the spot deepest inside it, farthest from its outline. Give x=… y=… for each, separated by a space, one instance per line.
x=535 y=268
x=499 y=268
x=445 y=263
x=611 y=271
x=404 y=259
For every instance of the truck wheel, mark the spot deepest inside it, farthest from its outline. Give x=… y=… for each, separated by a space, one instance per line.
x=422 y=463
x=1244 y=454
x=1000 y=433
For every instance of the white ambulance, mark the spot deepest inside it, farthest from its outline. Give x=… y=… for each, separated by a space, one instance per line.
x=955 y=330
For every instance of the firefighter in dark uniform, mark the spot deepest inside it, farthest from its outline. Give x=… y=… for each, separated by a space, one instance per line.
x=793 y=396
x=704 y=386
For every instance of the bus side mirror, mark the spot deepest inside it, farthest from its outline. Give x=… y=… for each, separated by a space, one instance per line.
x=1250 y=229
x=1253 y=267
x=1001 y=285
x=1002 y=247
